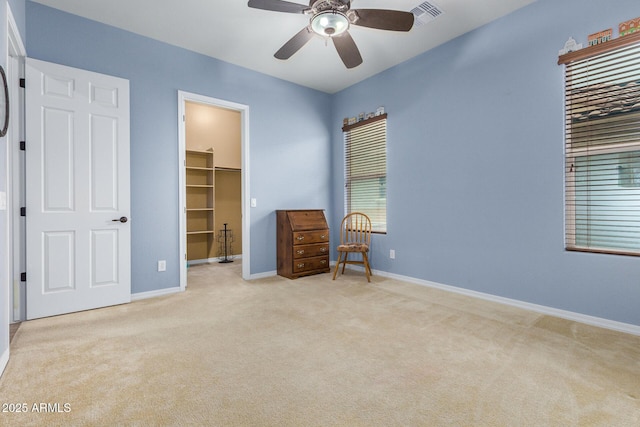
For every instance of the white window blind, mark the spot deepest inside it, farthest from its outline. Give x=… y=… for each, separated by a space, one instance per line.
x=366 y=170
x=602 y=150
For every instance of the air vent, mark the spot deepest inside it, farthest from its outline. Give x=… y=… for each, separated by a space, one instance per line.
x=426 y=12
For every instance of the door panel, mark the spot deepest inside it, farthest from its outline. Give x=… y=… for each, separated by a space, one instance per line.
x=57 y=160
x=104 y=164
x=77 y=162
x=104 y=257
x=59 y=261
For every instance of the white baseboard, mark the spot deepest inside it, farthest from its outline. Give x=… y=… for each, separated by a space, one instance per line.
x=153 y=294
x=263 y=275
x=3 y=361
x=563 y=314
x=211 y=260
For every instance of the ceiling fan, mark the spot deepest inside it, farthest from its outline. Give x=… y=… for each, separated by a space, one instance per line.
x=332 y=19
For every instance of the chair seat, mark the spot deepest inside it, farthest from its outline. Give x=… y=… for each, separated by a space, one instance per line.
x=354 y=247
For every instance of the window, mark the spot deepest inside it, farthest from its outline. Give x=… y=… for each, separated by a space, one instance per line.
x=366 y=170
x=602 y=147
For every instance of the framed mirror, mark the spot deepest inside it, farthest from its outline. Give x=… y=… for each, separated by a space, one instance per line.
x=4 y=104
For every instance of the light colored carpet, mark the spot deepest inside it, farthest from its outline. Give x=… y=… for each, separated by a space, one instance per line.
x=317 y=352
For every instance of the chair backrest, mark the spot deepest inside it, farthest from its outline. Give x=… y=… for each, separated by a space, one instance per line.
x=355 y=228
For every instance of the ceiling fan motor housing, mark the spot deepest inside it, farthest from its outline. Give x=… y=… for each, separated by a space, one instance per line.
x=317 y=6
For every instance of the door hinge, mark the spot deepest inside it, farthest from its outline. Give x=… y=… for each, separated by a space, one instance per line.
x=23 y=82
x=23 y=277
x=23 y=145
x=23 y=211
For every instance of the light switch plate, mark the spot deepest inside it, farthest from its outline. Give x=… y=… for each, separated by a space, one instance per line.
x=3 y=201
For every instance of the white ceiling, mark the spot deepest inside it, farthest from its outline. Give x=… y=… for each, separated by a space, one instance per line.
x=231 y=31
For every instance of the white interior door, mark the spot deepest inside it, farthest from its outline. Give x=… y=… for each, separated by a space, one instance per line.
x=77 y=179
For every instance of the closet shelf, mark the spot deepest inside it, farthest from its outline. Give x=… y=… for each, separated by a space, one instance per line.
x=198 y=168
x=204 y=152
x=200 y=203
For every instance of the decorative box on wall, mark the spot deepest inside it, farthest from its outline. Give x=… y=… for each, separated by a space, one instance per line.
x=303 y=243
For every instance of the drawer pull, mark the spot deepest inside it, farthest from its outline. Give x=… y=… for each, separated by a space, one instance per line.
x=300 y=251
x=301 y=265
x=323 y=249
x=299 y=238
x=323 y=262
x=324 y=236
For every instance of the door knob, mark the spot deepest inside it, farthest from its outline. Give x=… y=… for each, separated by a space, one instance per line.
x=122 y=219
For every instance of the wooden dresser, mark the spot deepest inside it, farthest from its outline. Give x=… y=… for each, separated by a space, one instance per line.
x=303 y=243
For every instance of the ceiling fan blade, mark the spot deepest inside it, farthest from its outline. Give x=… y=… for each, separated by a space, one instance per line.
x=347 y=50
x=278 y=6
x=382 y=19
x=294 y=44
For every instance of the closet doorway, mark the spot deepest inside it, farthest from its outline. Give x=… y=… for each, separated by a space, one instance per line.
x=213 y=152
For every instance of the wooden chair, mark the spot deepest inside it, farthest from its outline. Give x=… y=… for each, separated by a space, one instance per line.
x=355 y=237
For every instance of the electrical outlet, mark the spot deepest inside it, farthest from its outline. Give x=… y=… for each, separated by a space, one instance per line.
x=392 y=253
x=162 y=265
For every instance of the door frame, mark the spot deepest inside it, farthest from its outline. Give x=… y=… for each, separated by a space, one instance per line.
x=15 y=49
x=183 y=98
x=16 y=54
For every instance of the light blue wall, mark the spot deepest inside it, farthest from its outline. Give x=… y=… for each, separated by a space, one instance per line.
x=475 y=164
x=18 y=11
x=288 y=124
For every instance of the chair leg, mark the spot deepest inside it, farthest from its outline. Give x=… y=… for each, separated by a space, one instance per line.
x=344 y=263
x=335 y=271
x=367 y=268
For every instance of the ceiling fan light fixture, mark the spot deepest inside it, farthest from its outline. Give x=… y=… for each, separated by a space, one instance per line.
x=330 y=23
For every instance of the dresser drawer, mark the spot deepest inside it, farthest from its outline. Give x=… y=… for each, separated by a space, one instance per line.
x=304 y=251
x=305 y=237
x=311 y=264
